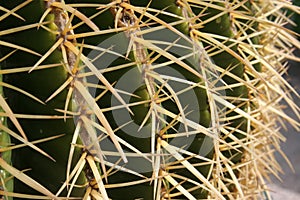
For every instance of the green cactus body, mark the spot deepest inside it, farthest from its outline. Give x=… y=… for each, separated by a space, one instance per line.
x=143 y=144
x=296 y=17
x=6 y=179
x=222 y=26
x=40 y=83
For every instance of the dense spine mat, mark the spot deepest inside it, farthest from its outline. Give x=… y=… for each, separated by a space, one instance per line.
x=137 y=99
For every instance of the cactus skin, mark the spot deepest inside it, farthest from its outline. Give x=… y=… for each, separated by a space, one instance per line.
x=6 y=178
x=7 y=181
x=40 y=83
x=222 y=26
x=146 y=190
x=296 y=18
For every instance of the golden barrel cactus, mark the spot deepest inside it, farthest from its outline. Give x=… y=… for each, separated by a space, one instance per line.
x=123 y=100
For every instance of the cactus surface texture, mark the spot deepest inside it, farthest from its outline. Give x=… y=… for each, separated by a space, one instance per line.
x=137 y=99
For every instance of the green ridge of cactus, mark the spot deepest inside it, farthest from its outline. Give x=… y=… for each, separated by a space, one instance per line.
x=38 y=83
x=7 y=183
x=142 y=99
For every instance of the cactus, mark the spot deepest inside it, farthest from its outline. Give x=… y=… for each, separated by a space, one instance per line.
x=143 y=99
x=296 y=18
